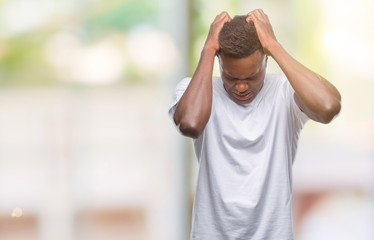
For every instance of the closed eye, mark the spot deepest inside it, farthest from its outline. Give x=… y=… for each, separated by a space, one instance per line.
x=251 y=78
x=236 y=79
x=228 y=77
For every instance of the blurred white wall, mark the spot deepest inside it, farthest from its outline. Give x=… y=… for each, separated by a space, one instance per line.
x=68 y=152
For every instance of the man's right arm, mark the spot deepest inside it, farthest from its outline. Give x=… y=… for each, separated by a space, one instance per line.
x=193 y=109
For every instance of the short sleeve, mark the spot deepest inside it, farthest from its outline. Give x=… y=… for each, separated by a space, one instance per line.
x=178 y=93
x=299 y=118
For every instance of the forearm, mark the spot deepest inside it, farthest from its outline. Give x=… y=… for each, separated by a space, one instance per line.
x=317 y=97
x=193 y=109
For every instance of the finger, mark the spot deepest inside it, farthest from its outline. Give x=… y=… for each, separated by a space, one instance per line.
x=255 y=18
x=224 y=14
x=252 y=17
x=254 y=10
x=228 y=17
x=248 y=19
x=225 y=18
x=257 y=13
x=220 y=16
x=251 y=12
x=263 y=15
x=249 y=15
x=261 y=12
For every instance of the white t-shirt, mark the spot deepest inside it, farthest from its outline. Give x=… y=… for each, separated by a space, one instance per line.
x=245 y=156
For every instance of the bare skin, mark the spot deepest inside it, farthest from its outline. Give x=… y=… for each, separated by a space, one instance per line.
x=194 y=107
x=314 y=95
x=243 y=79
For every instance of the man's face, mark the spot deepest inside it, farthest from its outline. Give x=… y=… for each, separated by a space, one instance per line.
x=243 y=78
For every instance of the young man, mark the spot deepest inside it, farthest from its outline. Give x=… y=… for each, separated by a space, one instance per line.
x=245 y=127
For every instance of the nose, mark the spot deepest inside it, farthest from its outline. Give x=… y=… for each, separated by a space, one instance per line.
x=241 y=86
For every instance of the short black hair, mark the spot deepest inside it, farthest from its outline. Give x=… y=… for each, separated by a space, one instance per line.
x=238 y=38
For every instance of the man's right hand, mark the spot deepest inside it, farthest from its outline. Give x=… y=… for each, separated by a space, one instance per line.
x=212 y=42
x=192 y=111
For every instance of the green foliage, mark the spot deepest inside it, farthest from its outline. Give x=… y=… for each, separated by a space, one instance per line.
x=124 y=16
x=23 y=62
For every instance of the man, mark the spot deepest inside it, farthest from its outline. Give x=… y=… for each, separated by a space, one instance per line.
x=245 y=127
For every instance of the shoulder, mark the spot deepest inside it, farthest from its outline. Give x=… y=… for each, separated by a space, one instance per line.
x=276 y=80
x=273 y=84
x=183 y=84
x=279 y=83
x=216 y=80
x=218 y=89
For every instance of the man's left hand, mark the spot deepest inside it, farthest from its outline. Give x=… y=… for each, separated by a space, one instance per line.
x=263 y=28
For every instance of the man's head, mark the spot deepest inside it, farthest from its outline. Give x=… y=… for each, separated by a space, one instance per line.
x=238 y=38
x=242 y=60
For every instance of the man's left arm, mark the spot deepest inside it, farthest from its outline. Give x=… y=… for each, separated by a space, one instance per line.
x=314 y=95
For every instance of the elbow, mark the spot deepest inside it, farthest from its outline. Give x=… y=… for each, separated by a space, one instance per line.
x=188 y=128
x=330 y=111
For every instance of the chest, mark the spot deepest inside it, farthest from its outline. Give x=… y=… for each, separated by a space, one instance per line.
x=250 y=125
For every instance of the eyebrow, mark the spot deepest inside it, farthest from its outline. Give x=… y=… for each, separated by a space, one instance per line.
x=251 y=76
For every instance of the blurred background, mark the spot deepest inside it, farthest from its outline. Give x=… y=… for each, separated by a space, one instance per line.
x=87 y=151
